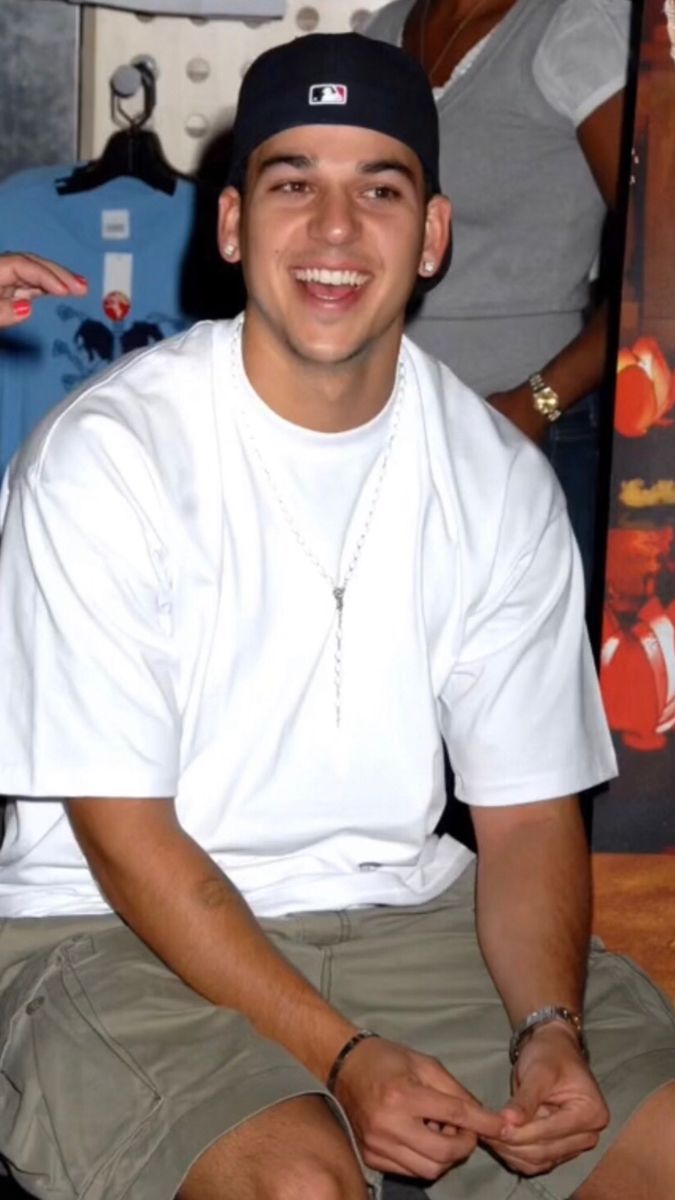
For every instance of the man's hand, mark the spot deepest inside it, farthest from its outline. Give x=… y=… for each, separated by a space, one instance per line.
x=518 y=406
x=556 y=1110
x=24 y=277
x=409 y=1115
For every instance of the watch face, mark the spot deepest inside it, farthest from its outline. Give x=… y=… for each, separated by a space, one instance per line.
x=546 y=401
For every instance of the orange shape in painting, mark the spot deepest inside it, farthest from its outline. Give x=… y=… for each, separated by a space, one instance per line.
x=645 y=390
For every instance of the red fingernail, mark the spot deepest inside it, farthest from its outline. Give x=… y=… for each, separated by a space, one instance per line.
x=21 y=308
x=80 y=279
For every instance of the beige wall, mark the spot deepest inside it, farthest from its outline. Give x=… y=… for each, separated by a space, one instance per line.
x=200 y=63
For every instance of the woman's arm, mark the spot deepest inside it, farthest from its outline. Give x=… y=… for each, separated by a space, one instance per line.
x=578 y=368
x=24 y=277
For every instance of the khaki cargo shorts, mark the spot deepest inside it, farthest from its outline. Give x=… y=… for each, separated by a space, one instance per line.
x=115 y=1077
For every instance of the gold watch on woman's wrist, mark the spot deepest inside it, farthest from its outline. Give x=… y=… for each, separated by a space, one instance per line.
x=545 y=399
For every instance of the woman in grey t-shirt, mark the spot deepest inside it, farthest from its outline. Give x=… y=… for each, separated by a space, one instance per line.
x=530 y=101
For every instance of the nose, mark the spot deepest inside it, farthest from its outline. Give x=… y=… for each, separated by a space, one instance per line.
x=334 y=219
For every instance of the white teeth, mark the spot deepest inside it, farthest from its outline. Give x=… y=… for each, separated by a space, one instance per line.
x=331 y=278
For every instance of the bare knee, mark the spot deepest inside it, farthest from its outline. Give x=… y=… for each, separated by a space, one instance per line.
x=294 y=1151
x=307 y=1178
x=298 y=1177
x=640 y=1164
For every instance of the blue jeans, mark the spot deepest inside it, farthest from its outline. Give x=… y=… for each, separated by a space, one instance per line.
x=573 y=449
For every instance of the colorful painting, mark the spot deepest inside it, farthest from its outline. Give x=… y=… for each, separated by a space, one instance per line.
x=638 y=639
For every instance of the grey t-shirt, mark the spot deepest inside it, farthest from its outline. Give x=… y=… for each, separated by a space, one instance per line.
x=527 y=212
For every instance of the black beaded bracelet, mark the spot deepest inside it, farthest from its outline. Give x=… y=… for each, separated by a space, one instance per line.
x=344 y=1053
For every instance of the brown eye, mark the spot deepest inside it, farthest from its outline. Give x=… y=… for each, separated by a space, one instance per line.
x=292 y=187
x=382 y=192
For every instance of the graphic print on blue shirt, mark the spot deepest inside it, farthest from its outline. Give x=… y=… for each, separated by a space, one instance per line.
x=92 y=344
x=67 y=341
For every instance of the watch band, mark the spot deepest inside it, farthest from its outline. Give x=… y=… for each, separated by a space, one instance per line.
x=544 y=1016
x=545 y=399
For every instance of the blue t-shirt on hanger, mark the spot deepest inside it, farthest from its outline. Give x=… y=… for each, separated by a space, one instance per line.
x=130 y=242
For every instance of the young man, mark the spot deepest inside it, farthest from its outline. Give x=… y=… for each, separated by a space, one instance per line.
x=249 y=580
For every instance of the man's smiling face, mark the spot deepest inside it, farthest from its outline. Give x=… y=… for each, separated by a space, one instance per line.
x=331 y=232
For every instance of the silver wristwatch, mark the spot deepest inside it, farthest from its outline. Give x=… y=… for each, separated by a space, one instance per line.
x=544 y=1016
x=546 y=400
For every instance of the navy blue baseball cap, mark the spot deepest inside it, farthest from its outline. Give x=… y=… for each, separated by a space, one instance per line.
x=336 y=79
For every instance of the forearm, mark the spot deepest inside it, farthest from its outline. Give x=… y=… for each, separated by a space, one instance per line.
x=573 y=373
x=579 y=367
x=533 y=909
x=178 y=901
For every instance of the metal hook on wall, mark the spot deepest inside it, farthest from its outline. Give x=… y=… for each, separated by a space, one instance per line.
x=125 y=82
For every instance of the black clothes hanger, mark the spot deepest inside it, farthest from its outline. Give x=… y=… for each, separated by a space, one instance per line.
x=134 y=151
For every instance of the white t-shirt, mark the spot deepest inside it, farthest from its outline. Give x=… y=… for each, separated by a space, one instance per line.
x=165 y=635
x=318 y=479
x=583 y=57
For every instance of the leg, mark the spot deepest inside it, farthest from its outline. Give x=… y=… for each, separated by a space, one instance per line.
x=295 y=1150
x=641 y=1163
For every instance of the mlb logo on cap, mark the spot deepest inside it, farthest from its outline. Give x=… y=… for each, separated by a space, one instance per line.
x=328 y=93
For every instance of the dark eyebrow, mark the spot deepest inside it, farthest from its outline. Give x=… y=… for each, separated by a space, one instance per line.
x=301 y=162
x=381 y=165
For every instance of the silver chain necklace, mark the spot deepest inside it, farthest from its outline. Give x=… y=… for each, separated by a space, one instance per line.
x=337 y=586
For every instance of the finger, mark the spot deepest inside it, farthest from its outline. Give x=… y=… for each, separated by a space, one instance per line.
x=517 y=1119
x=29 y=270
x=398 y=1158
x=526 y=1100
x=401 y=1133
x=460 y=1111
x=557 y=1123
x=475 y=1113
x=445 y=1147
x=386 y=1166
x=535 y=1159
x=13 y=312
x=20 y=292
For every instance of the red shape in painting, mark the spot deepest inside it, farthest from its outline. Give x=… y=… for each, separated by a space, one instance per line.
x=116 y=306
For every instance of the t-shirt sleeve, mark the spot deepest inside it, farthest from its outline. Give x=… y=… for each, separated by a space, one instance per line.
x=386 y=24
x=583 y=57
x=521 y=712
x=85 y=623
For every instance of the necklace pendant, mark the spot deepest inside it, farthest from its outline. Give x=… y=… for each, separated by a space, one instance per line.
x=337 y=592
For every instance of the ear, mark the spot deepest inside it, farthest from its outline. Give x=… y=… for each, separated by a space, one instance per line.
x=437 y=236
x=229 y=221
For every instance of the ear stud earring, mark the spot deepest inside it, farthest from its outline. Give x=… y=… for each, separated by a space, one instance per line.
x=428 y=266
x=229 y=249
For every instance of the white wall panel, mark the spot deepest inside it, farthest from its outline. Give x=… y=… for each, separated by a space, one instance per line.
x=200 y=64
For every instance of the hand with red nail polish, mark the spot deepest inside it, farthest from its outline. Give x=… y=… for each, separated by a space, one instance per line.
x=25 y=277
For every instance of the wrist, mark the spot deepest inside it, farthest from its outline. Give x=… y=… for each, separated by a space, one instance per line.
x=345 y=1052
x=556 y=1016
x=314 y=1038
x=553 y=1032
x=319 y=1060
x=545 y=399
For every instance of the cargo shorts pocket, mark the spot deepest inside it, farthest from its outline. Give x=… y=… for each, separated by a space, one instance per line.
x=71 y=1097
